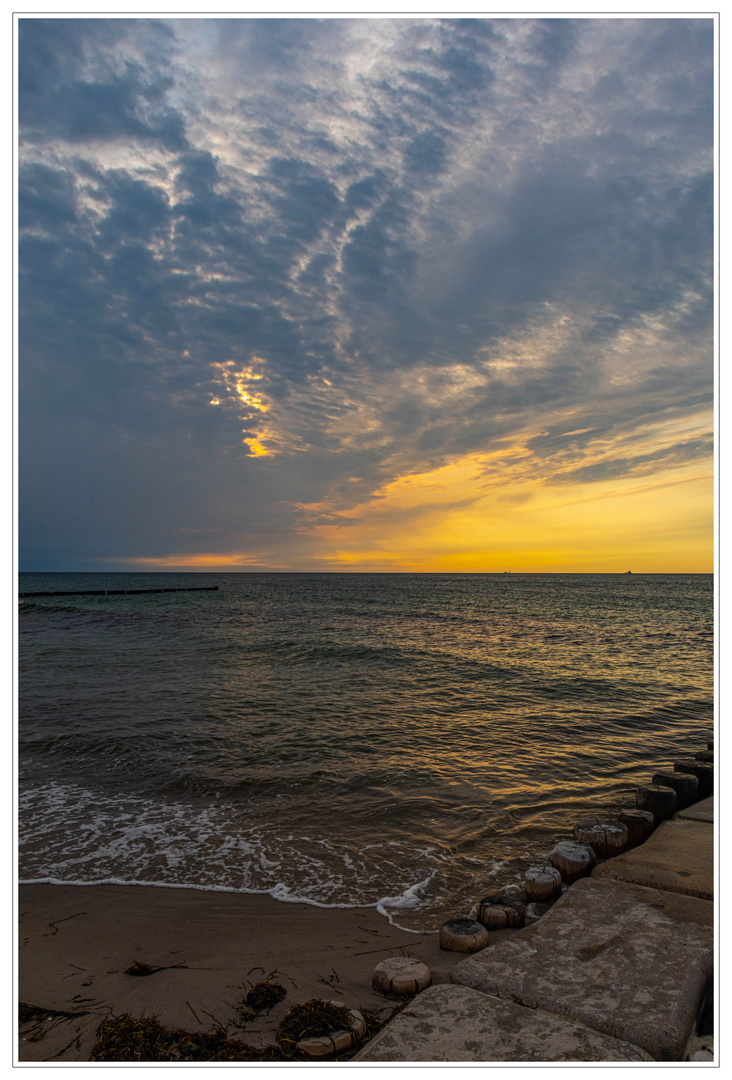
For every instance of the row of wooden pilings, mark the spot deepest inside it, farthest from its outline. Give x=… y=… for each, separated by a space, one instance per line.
x=670 y=790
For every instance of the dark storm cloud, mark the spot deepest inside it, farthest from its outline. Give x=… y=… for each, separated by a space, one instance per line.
x=57 y=98
x=368 y=241
x=46 y=198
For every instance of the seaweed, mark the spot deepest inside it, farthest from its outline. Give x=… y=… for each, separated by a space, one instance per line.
x=311 y=1019
x=142 y=1039
x=27 y=1013
x=141 y=968
x=265 y=995
x=125 y=1038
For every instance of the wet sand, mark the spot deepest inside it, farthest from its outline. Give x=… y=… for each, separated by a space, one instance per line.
x=75 y=943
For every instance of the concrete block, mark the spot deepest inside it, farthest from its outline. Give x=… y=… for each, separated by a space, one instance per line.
x=454 y=1023
x=678 y=857
x=628 y=961
x=701 y=811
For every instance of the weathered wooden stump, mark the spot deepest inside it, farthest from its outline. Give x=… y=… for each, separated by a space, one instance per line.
x=335 y=1042
x=705 y=755
x=660 y=800
x=492 y=916
x=639 y=824
x=606 y=838
x=590 y=832
x=686 y=786
x=573 y=859
x=703 y=772
x=401 y=975
x=497 y=912
x=463 y=935
x=616 y=838
x=543 y=884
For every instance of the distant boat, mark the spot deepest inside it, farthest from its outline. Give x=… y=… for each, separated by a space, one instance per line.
x=629 y=571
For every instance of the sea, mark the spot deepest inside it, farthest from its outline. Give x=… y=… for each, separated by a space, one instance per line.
x=409 y=742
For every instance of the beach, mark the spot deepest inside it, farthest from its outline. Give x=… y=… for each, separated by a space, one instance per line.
x=619 y=968
x=75 y=943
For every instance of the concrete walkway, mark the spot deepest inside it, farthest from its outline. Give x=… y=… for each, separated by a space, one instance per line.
x=617 y=970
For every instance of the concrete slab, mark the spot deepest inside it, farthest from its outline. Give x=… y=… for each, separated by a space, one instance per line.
x=701 y=811
x=454 y=1023
x=628 y=961
x=678 y=857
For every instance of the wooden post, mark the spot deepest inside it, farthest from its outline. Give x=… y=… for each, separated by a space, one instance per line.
x=660 y=800
x=703 y=772
x=543 y=884
x=606 y=838
x=639 y=824
x=573 y=860
x=686 y=786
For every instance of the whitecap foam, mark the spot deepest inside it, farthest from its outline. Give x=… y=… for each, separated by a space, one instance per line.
x=71 y=835
x=280 y=892
x=412 y=897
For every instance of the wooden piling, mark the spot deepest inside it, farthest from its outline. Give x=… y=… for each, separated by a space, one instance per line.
x=703 y=772
x=660 y=800
x=639 y=824
x=686 y=786
x=117 y=592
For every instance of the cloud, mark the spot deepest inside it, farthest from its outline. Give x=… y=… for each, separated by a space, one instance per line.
x=641 y=464
x=380 y=246
x=75 y=85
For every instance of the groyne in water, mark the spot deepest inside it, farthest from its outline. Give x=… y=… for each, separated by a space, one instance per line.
x=117 y=592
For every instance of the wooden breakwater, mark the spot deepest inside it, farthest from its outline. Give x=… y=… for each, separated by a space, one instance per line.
x=118 y=592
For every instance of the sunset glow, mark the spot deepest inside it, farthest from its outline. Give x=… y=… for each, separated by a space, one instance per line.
x=601 y=528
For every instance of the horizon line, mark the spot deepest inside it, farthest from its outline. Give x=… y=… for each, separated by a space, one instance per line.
x=411 y=573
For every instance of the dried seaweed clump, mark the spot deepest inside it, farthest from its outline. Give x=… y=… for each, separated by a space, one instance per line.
x=311 y=1019
x=265 y=995
x=27 y=1013
x=140 y=968
x=124 y=1038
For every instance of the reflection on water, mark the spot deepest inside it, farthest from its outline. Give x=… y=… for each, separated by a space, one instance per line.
x=345 y=738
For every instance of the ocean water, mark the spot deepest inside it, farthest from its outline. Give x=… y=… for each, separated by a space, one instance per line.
x=404 y=741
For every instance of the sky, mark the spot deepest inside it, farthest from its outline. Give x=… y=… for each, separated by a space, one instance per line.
x=366 y=294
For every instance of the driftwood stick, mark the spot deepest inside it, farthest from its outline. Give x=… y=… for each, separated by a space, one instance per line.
x=66 y=919
x=200 y=1021
x=366 y=952
x=68 y=1045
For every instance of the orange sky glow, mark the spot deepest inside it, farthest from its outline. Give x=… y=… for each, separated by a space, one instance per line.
x=488 y=513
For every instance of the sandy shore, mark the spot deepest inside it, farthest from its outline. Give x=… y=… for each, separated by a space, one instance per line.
x=75 y=943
